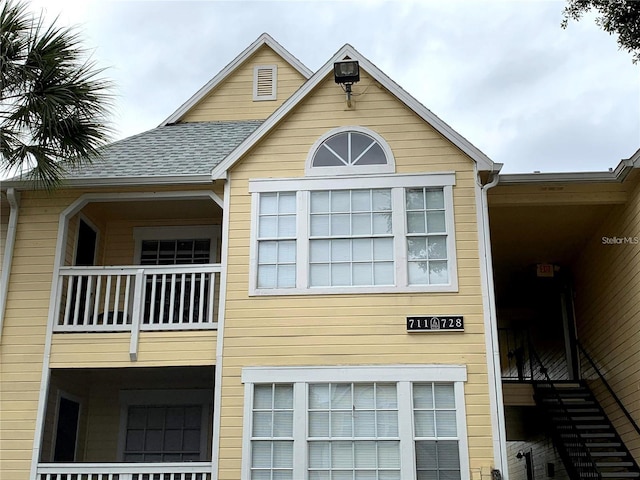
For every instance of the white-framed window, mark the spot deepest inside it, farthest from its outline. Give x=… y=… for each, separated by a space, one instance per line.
x=265 y=82
x=327 y=423
x=176 y=245
x=348 y=151
x=277 y=240
x=374 y=233
x=164 y=425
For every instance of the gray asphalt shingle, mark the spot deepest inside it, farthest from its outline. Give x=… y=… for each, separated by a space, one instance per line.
x=179 y=149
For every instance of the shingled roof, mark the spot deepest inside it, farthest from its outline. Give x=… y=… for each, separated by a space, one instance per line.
x=169 y=150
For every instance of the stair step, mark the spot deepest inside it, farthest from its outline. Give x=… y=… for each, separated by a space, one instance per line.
x=620 y=474
x=580 y=418
x=591 y=435
x=614 y=464
x=575 y=409
x=559 y=385
x=568 y=401
x=608 y=454
x=603 y=444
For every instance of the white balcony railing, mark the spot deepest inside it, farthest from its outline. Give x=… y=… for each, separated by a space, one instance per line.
x=134 y=298
x=124 y=471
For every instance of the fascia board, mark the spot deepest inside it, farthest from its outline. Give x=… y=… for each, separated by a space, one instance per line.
x=264 y=39
x=561 y=177
x=617 y=175
x=484 y=162
x=634 y=160
x=117 y=182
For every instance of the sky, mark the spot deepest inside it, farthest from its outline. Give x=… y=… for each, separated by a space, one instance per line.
x=503 y=74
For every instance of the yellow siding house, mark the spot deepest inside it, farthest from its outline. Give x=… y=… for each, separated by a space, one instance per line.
x=292 y=278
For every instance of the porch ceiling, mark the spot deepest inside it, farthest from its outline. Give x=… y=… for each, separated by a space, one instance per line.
x=526 y=235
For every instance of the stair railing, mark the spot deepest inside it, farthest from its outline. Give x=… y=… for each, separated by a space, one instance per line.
x=606 y=384
x=515 y=360
x=573 y=450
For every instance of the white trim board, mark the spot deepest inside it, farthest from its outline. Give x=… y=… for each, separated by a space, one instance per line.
x=357 y=373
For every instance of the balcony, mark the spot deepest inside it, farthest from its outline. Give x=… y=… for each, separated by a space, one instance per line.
x=128 y=424
x=123 y=471
x=137 y=298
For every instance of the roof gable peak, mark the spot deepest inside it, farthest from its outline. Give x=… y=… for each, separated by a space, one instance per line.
x=483 y=162
x=262 y=40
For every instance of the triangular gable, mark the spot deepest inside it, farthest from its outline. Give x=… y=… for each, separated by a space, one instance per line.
x=264 y=39
x=484 y=163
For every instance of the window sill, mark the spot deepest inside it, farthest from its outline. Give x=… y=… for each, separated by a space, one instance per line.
x=262 y=292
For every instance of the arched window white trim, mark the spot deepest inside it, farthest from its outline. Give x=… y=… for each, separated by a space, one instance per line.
x=349 y=150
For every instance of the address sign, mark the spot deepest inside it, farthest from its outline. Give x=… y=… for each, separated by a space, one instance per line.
x=449 y=323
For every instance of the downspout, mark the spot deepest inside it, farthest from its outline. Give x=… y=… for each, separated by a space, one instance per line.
x=500 y=443
x=13 y=198
x=217 y=396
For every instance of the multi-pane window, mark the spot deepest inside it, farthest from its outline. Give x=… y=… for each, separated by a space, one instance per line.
x=426 y=236
x=163 y=433
x=349 y=148
x=351 y=238
x=277 y=240
x=272 y=432
x=380 y=235
x=436 y=432
x=355 y=430
x=175 y=252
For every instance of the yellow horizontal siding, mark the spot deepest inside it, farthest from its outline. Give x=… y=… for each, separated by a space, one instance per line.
x=27 y=308
x=233 y=99
x=23 y=335
x=608 y=310
x=110 y=350
x=353 y=329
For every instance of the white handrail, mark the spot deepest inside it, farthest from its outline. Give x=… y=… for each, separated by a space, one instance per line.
x=116 y=298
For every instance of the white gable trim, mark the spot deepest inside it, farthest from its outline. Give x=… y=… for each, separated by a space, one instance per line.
x=484 y=163
x=264 y=39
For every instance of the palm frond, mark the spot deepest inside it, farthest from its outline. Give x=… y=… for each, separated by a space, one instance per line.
x=54 y=102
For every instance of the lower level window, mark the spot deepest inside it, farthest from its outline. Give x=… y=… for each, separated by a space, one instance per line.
x=164 y=425
x=358 y=430
x=163 y=433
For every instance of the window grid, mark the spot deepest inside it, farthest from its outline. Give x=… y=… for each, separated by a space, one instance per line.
x=427 y=257
x=351 y=238
x=272 y=432
x=163 y=433
x=435 y=432
x=175 y=252
x=277 y=240
x=349 y=148
x=353 y=431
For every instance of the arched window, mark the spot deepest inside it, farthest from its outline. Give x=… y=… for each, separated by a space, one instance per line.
x=350 y=150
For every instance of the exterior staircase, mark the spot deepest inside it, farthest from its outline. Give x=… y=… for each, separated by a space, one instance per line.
x=588 y=444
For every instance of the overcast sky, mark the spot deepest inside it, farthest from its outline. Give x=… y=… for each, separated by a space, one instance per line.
x=502 y=73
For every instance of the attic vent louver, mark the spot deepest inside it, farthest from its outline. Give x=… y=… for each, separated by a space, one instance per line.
x=265 y=80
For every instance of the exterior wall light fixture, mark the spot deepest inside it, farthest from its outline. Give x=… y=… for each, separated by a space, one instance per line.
x=346 y=73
